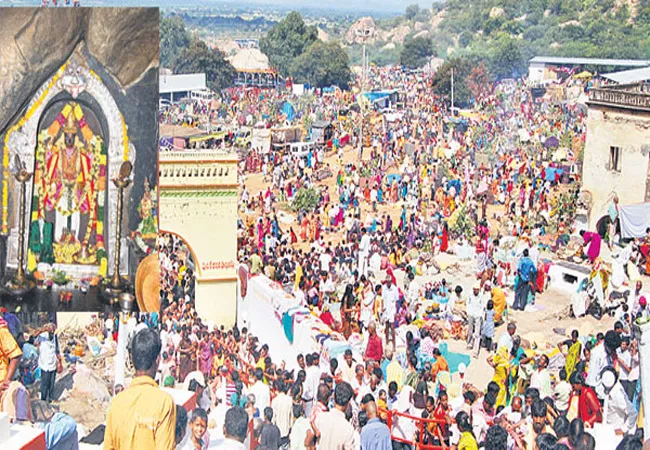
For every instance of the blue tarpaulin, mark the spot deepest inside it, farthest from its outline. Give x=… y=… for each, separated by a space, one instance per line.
x=288 y=110
x=393 y=177
x=374 y=96
x=550 y=173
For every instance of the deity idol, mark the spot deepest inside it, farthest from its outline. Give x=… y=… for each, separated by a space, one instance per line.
x=149 y=225
x=67 y=195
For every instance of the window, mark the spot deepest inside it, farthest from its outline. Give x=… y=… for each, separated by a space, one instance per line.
x=614 y=159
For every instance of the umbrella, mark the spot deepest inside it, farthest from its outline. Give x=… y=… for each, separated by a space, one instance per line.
x=551 y=141
x=583 y=75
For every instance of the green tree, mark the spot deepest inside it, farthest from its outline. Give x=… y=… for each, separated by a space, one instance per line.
x=416 y=52
x=173 y=38
x=412 y=11
x=506 y=59
x=441 y=84
x=198 y=57
x=323 y=64
x=286 y=41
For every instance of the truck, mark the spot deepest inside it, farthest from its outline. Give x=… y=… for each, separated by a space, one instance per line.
x=321 y=133
x=282 y=138
x=257 y=138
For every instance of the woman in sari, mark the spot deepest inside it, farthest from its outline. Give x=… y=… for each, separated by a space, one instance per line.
x=304 y=226
x=185 y=363
x=500 y=362
x=205 y=355
x=573 y=354
x=444 y=240
x=393 y=191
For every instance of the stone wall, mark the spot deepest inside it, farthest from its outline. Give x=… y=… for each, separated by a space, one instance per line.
x=629 y=130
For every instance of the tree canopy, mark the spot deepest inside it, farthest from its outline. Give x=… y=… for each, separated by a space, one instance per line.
x=323 y=64
x=441 y=83
x=198 y=57
x=173 y=38
x=416 y=52
x=412 y=11
x=286 y=41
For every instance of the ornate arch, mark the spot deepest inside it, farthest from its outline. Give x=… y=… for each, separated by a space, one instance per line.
x=73 y=77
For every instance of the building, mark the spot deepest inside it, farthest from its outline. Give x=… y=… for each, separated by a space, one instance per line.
x=616 y=158
x=545 y=68
x=198 y=194
x=175 y=87
x=628 y=76
x=253 y=69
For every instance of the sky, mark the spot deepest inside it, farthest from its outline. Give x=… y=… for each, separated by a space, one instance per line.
x=363 y=5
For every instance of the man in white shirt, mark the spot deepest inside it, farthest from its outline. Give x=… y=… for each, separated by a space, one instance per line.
x=282 y=414
x=333 y=429
x=347 y=366
x=541 y=378
x=325 y=260
x=312 y=380
x=562 y=393
x=260 y=390
x=364 y=250
x=618 y=411
x=601 y=357
x=475 y=314
x=48 y=353
x=390 y=296
x=506 y=339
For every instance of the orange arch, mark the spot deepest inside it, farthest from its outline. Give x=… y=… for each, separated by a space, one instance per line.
x=194 y=257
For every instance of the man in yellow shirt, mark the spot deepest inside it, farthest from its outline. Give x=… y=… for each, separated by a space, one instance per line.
x=10 y=355
x=142 y=416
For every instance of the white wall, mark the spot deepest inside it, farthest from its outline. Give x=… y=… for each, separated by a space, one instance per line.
x=629 y=131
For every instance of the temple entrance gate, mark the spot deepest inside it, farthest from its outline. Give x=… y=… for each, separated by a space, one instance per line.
x=198 y=202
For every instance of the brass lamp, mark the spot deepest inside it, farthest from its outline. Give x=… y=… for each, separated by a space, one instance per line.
x=122 y=181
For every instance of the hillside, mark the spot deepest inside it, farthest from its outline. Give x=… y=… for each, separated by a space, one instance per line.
x=481 y=28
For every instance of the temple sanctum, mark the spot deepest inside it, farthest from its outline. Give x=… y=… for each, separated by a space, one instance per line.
x=78 y=143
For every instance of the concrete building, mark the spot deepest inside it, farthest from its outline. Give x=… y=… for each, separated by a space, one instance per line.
x=175 y=87
x=545 y=68
x=616 y=159
x=198 y=203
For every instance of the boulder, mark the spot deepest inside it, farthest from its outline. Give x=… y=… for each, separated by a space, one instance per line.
x=35 y=42
x=437 y=19
x=322 y=35
x=124 y=40
x=364 y=23
x=496 y=12
x=400 y=33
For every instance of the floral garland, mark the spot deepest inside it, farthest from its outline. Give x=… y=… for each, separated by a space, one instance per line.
x=5 y=160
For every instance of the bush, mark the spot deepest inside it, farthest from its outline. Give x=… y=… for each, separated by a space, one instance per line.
x=306 y=199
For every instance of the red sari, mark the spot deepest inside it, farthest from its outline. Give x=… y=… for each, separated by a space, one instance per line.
x=444 y=242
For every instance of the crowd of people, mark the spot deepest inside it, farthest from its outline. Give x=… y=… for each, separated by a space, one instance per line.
x=499 y=185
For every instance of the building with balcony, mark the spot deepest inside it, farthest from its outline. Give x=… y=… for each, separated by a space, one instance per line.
x=617 y=150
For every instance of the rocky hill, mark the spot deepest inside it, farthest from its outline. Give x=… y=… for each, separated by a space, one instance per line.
x=592 y=28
